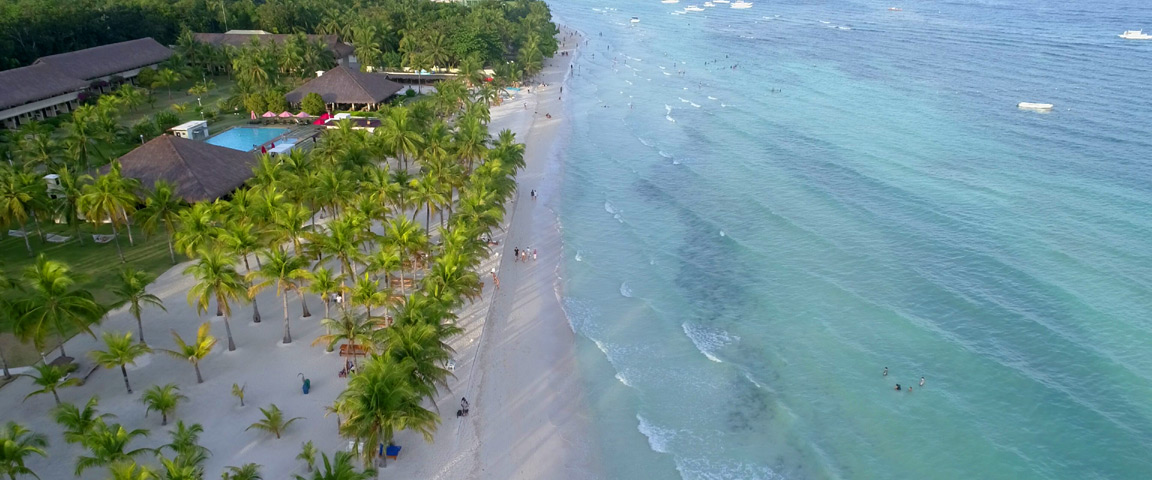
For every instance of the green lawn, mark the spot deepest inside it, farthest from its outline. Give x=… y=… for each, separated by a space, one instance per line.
x=180 y=96
x=98 y=265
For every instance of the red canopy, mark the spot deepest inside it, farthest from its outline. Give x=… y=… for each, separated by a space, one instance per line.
x=323 y=118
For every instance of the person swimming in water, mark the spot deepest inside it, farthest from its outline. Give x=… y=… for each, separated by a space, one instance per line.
x=885 y=371
x=921 y=381
x=897 y=387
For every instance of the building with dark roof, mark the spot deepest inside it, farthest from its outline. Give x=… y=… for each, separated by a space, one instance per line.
x=342 y=52
x=344 y=88
x=199 y=170
x=52 y=85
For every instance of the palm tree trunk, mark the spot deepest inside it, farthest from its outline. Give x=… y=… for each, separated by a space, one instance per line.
x=60 y=334
x=56 y=396
x=427 y=219
x=4 y=362
x=231 y=343
x=27 y=245
x=255 y=311
x=171 y=250
x=128 y=225
x=303 y=304
x=287 y=325
x=124 y=371
x=36 y=221
x=116 y=237
x=247 y=268
x=164 y=416
x=140 y=326
x=196 y=365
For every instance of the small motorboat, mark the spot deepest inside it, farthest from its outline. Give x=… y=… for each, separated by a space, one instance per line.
x=709 y=4
x=693 y=8
x=1034 y=106
x=741 y=4
x=895 y=9
x=1135 y=35
x=669 y=1
x=635 y=20
x=720 y=1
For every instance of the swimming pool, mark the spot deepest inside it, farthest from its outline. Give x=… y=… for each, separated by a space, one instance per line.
x=245 y=138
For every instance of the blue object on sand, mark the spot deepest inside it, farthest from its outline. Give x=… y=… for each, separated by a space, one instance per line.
x=392 y=452
x=307 y=385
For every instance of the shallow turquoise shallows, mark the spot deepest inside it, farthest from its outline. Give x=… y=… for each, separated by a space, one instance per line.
x=246 y=138
x=764 y=208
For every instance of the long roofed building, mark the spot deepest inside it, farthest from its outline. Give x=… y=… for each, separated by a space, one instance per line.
x=343 y=87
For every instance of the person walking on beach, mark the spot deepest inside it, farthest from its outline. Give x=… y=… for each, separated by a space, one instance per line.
x=516 y=252
x=534 y=259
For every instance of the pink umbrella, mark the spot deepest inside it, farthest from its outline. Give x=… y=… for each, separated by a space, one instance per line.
x=322 y=119
x=253 y=114
x=303 y=115
x=268 y=115
x=285 y=114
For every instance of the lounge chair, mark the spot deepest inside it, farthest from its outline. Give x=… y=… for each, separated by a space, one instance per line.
x=54 y=238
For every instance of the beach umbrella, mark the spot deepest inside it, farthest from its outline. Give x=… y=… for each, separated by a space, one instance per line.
x=303 y=115
x=269 y=115
x=285 y=114
x=263 y=150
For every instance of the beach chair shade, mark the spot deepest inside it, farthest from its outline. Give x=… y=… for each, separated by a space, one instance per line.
x=269 y=115
x=285 y=114
x=303 y=115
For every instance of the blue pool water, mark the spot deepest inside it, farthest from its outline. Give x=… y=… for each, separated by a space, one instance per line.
x=763 y=208
x=245 y=138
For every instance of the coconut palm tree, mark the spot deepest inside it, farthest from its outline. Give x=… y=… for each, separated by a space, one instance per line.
x=68 y=191
x=340 y=467
x=163 y=399
x=452 y=279
x=421 y=347
x=380 y=400
x=349 y=327
x=400 y=135
x=130 y=470
x=186 y=440
x=242 y=238
x=430 y=193
x=238 y=392
x=8 y=317
x=218 y=280
x=198 y=229
x=366 y=293
x=107 y=199
x=289 y=221
x=324 y=283
x=108 y=445
x=284 y=271
x=16 y=202
x=131 y=290
x=50 y=301
x=121 y=351
x=273 y=421
x=196 y=351
x=162 y=206
x=342 y=241
x=77 y=422
x=248 y=471
x=405 y=236
x=383 y=260
x=17 y=443
x=307 y=454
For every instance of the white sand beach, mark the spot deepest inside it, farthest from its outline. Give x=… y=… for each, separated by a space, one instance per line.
x=515 y=362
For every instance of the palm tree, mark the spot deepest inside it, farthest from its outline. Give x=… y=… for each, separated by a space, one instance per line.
x=366 y=292
x=186 y=440
x=241 y=239
x=131 y=290
x=15 y=202
x=380 y=400
x=16 y=444
x=426 y=191
x=218 y=280
x=238 y=392
x=121 y=351
x=166 y=78
x=196 y=351
x=8 y=317
x=248 y=471
x=421 y=347
x=162 y=206
x=452 y=279
x=78 y=423
x=307 y=454
x=162 y=399
x=70 y=188
x=400 y=135
x=52 y=302
x=273 y=421
x=323 y=282
x=342 y=241
x=289 y=220
x=406 y=236
x=107 y=445
x=285 y=271
x=106 y=198
x=340 y=467
x=129 y=470
x=198 y=229
x=384 y=260
x=352 y=328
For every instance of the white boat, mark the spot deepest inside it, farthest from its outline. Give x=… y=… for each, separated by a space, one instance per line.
x=1135 y=35
x=693 y=8
x=709 y=4
x=669 y=1
x=719 y=1
x=741 y=4
x=678 y=12
x=635 y=19
x=1034 y=106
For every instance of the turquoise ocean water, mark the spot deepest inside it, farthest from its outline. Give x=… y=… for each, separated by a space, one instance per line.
x=747 y=249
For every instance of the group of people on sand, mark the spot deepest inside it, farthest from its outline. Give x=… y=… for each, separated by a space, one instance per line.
x=898 y=387
x=521 y=254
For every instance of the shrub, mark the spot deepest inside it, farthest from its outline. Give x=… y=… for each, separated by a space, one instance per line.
x=165 y=120
x=256 y=104
x=275 y=101
x=313 y=103
x=145 y=127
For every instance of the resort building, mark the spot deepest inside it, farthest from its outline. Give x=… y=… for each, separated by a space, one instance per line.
x=52 y=85
x=345 y=89
x=199 y=171
x=342 y=52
